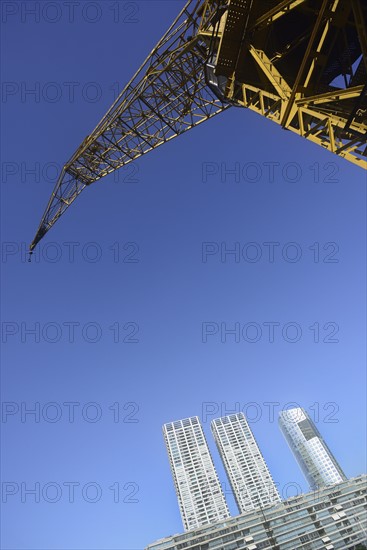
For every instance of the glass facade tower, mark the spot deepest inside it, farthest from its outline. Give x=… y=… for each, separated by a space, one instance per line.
x=200 y=496
x=310 y=450
x=251 y=482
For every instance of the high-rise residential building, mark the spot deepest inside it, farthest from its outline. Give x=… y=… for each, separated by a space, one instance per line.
x=331 y=518
x=251 y=482
x=199 y=493
x=313 y=455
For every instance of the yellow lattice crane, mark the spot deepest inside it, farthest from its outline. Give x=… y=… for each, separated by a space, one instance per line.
x=299 y=63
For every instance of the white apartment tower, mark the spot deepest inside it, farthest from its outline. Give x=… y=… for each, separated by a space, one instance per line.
x=251 y=482
x=200 y=497
x=310 y=450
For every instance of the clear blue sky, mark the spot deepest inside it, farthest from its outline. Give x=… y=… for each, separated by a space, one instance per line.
x=163 y=298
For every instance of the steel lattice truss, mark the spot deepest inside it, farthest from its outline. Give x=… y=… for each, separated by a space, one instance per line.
x=285 y=62
x=278 y=58
x=166 y=97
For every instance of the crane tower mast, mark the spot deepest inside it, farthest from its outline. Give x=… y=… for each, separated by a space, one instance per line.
x=300 y=63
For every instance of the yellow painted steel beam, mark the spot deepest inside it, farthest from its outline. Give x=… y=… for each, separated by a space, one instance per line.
x=275 y=13
x=361 y=27
x=336 y=95
x=271 y=72
x=321 y=129
x=305 y=60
